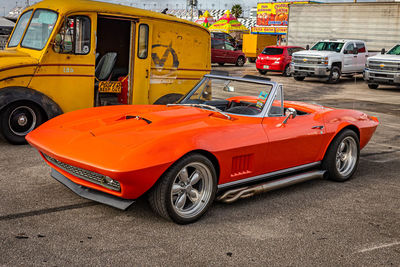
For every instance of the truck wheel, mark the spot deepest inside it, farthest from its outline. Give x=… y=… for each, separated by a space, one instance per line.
x=373 y=85
x=286 y=71
x=185 y=191
x=334 y=76
x=299 y=78
x=240 y=61
x=18 y=119
x=263 y=72
x=221 y=64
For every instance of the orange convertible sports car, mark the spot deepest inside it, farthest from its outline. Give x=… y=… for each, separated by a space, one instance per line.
x=218 y=141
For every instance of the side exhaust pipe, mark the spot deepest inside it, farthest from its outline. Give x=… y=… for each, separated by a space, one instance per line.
x=249 y=191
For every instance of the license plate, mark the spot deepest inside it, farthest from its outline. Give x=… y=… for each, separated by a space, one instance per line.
x=110 y=87
x=266 y=67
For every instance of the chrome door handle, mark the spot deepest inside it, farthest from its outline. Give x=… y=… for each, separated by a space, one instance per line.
x=318 y=127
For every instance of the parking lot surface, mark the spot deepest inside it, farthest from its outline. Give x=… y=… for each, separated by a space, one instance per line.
x=314 y=223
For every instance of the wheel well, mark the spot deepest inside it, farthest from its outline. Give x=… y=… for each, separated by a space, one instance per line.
x=338 y=64
x=41 y=109
x=349 y=127
x=210 y=156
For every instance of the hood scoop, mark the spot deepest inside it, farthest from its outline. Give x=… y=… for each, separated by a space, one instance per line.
x=129 y=117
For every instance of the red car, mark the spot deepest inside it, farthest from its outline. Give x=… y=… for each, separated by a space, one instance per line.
x=276 y=58
x=217 y=142
x=223 y=52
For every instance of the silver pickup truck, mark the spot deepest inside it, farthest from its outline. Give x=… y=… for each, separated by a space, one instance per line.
x=383 y=68
x=330 y=59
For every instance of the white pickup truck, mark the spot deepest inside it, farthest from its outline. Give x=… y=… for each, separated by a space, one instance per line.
x=383 y=68
x=330 y=59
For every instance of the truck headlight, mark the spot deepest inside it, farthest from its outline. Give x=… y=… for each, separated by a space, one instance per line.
x=325 y=61
x=367 y=64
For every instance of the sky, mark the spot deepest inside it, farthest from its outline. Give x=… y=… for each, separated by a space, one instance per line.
x=6 y=5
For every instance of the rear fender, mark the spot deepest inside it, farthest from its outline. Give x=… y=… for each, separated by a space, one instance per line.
x=12 y=94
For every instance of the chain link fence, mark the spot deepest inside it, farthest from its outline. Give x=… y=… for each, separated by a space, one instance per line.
x=3 y=41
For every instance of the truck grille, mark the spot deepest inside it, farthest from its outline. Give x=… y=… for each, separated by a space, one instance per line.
x=86 y=175
x=384 y=66
x=307 y=60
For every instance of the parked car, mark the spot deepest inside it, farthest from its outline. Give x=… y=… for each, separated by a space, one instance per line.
x=223 y=52
x=383 y=68
x=216 y=141
x=329 y=59
x=276 y=58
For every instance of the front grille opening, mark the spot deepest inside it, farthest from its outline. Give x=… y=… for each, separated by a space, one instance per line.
x=86 y=175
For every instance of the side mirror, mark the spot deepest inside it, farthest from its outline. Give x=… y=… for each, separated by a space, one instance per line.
x=307 y=47
x=383 y=51
x=57 y=43
x=290 y=113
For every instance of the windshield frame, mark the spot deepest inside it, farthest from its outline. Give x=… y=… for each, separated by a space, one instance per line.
x=267 y=104
x=394 y=47
x=343 y=44
x=16 y=25
x=29 y=24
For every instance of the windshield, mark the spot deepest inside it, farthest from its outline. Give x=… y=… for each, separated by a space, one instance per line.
x=39 y=29
x=228 y=96
x=394 y=51
x=328 y=46
x=20 y=29
x=272 y=51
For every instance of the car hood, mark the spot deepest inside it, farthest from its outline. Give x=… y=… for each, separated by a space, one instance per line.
x=84 y=135
x=314 y=53
x=385 y=57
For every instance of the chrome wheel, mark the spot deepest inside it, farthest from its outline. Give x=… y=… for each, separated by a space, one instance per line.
x=346 y=156
x=191 y=190
x=240 y=62
x=22 y=120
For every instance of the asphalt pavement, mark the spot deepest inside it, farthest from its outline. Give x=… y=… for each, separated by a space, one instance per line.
x=356 y=223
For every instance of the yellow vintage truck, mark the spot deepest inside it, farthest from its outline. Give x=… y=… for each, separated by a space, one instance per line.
x=68 y=55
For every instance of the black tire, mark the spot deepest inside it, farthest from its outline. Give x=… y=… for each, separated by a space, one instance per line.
x=286 y=71
x=240 y=61
x=351 y=145
x=373 y=85
x=334 y=76
x=221 y=64
x=299 y=78
x=263 y=72
x=252 y=59
x=18 y=119
x=161 y=197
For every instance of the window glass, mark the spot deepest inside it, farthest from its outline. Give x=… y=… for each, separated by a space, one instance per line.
x=360 y=47
x=39 y=29
x=349 y=49
x=290 y=51
x=328 y=46
x=272 y=51
x=82 y=37
x=74 y=36
x=395 y=50
x=228 y=46
x=143 y=41
x=276 y=109
x=19 y=29
x=217 y=44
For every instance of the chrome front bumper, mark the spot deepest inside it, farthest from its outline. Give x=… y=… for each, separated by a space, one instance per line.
x=380 y=77
x=309 y=70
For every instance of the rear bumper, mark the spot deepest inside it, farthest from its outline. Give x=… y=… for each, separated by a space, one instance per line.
x=269 y=67
x=92 y=194
x=380 y=77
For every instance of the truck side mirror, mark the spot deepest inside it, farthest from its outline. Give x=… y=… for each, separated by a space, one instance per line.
x=57 y=43
x=307 y=47
x=383 y=51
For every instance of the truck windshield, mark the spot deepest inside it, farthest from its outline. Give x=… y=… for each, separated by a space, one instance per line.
x=272 y=51
x=328 y=46
x=39 y=29
x=20 y=29
x=395 y=50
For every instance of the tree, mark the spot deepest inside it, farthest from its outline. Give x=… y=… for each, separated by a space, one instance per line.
x=237 y=10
